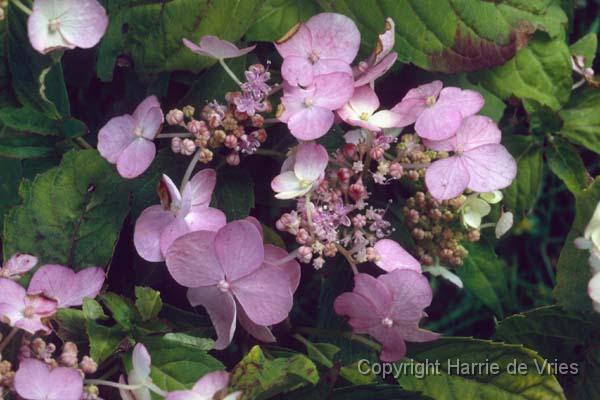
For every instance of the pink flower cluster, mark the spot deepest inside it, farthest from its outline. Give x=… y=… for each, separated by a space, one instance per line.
x=51 y=287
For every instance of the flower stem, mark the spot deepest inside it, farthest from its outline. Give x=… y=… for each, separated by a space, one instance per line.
x=190 y=169
x=276 y=88
x=22 y=7
x=287 y=258
x=270 y=153
x=8 y=338
x=348 y=257
x=156 y=389
x=347 y=335
x=172 y=135
x=230 y=72
x=101 y=382
x=416 y=165
x=81 y=142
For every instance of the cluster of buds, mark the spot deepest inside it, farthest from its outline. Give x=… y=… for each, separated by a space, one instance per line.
x=69 y=356
x=236 y=127
x=6 y=375
x=437 y=229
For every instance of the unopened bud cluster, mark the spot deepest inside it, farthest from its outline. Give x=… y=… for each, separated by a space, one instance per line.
x=69 y=356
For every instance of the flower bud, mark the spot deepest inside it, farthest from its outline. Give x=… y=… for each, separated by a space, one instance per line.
x=219 y=136
x=69 y=355
x=376 y=153
x=88 y=365
x=176 y=145
x=344 y=174
x=175 y=117
x=196 y=127
x=396 y=170
x=257 y=120
x=189 y=111
x=188 y=147
x=357 y=191
x=349 y=150
x=305 y=254
x=233 y=158
x=330 y=250
x=303 y=237
x=230 y=142
x=206 y=156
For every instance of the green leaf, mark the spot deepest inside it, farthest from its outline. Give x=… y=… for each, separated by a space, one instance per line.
x=379 y=392
x=586 y=47
x=151 y=32
x=175 y=367
x=566 y=163
x=147 y=302
x=37 y=81
x=276 y=17
x=11 y=173
x=121 y=308
x=493 y=107
x=260 y=378
x=104 y=340
x=71 y=326
x=448 y=381
x=483 y=274
x=272 y=237
x=541 y=72
x=573 y=271
x=29 y=120
x=582 y=120
x=454 y=35
x=521 y=195
x=93 y=310
x=71 y=215
x=193 y=342
x=234 y=193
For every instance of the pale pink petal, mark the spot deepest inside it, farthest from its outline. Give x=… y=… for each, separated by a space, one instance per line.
x=362 y=312
x=203 y=218
x=20 y=263
x=386 y=40
x=125 y=394
x=11 y=313
x=327 y=66
x=438 y=122
x=392 y=256
x=181 y=395
x=221 y=309
x=490 y=167
x=258 y=227
x=140 y=359
x=84 y=22
x=41 y=38
x=32 y=379
x=298 y=43
x=467 y=102
x=259 y=332
x=211 y=383
x=446 y=178
x=374 y=291
x=476 y=131
x=41 y=305
x=200 y=188
x=265 y=295
x=148 y=229
x=387 y=119
x=334 y=36
x=32 y=325
x=65 y=384
x=212 y=46
x=297 y=70
x=410 y=291
x=364 y=100
x=65 y=286
x=393 y=345
x=415 y=100
x=169 y=194
x=192 y=262
x=311 y=161
x=287 y=186
x=11 y=293
x=376 y=71
x=239 y=249
x=310 y=123
x=136 y=158
x=149 y=117
x=274 y=255
x=441 y=145
x=416 y=335
x=333 y=90
x=115 y=136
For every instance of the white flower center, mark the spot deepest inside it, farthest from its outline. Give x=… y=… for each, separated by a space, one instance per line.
x=28 y=312
x=313 y=57
x=138 y=132
x=430 y=101
x=364 y=116
x=223 y=286
x=304 y=183
x=308 y=102
x=54 y=25
x=387 y=322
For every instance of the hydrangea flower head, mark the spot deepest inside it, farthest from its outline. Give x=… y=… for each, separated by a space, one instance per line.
x=213 y=47
x=326 y=43
x=66 y=24
x=308 y=112
x=18 y=265
x=436 y=112
x=207 y=388
x=389 y=309
x=391 y=256
x=382 y=58
x=66 y=286
x=128 y=140
x=35 y=380
x=228 y=274
x=479 y=163
x=307 y=169
x=361 y=110
x=159 y=225
x=22 y=310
